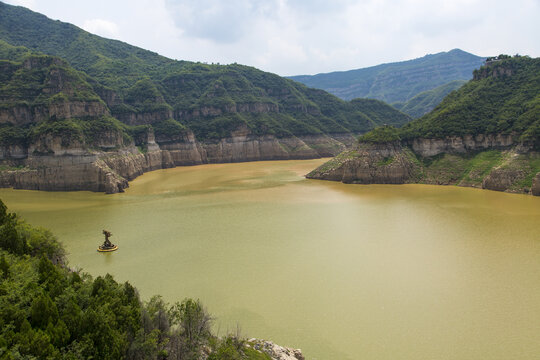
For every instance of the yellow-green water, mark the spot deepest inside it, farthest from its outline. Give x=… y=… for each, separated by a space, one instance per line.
x=341 y=271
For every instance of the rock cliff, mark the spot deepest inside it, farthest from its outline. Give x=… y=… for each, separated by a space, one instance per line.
x=485 y=161
x=52 y=164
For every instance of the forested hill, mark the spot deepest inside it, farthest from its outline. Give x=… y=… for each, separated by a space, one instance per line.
x=486 y=134
x=426 y=101
x=140 y=87
x=503 y=98
x=399 y=81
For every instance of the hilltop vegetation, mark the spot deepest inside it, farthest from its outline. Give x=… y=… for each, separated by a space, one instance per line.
x=140 y=87
x=426 y=101
x=49 y=311
x=399 y=81
x=503 y=98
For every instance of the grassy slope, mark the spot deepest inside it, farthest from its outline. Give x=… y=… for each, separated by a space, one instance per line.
x=471 y=169
x=398 y=81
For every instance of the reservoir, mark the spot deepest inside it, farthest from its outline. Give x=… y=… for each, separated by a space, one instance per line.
x=340 y=271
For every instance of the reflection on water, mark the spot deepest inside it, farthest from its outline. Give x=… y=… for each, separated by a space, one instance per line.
x=341 y=271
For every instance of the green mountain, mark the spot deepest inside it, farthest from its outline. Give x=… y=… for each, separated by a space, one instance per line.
x=399 y=81
x=426 y=101
x=140 y=87
x=485 y=134
x=502 y=98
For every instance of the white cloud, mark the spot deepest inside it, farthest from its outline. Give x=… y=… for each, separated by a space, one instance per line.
x=307 y=36
x=31 y=4
x=102 y=27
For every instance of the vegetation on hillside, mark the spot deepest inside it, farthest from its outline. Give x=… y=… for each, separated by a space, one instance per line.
x=211 y=100
x=426 y=101
x=380 y=135
x=503 y=98
x=49 y=311
x=397 y=82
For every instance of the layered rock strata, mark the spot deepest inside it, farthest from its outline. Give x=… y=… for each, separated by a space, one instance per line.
x=50 y=165
x=489 y=162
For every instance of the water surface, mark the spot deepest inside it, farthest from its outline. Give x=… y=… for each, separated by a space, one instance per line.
x=341 y=271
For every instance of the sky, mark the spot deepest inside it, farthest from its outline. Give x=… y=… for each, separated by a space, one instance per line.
x=293 y=37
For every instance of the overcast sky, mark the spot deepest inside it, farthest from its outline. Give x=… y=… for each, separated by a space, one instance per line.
x=292 y=37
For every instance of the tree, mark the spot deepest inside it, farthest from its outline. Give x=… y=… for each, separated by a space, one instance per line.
x=192 y=323
x=4 y=267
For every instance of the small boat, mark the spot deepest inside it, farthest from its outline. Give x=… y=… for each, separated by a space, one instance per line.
x=107 y=245
x=101 y=248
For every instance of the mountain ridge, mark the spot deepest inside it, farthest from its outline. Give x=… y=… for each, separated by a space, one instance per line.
x=396 y=81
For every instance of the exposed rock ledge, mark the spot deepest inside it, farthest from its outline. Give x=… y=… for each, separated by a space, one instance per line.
x=75 y=168
x=487 y=162
x=276 y=352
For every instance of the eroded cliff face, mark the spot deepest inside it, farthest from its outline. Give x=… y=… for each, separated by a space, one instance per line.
x=460 y=144
x=488 y=162
x=55 y=164
x=370 y=164
x=25 y=114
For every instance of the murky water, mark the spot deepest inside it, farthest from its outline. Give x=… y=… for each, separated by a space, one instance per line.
x=341 y=271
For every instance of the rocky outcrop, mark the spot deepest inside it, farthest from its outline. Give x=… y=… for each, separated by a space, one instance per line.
x=77 y=109
x=144 y=118
x=369 y=164
x=276 y=352
x=13 y=152
x=502 y=179
x=461 y=144
x=253 y=107
x=535 y=189
x=243 y=146
x=26 y=114
x=488 y=162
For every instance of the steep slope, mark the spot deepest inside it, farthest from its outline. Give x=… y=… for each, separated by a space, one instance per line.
x=426 y=101
x=485 y=134
x=397 y=82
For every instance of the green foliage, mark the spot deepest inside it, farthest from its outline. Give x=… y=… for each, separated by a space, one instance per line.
x=4 y=267
x=382 y=134
x=10 y=240
x=397 y=82
x=426 y=101
x=88 y=131
x=504 y=98
x=169 y=128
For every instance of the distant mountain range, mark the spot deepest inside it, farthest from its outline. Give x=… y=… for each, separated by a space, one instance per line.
x=398 y=81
